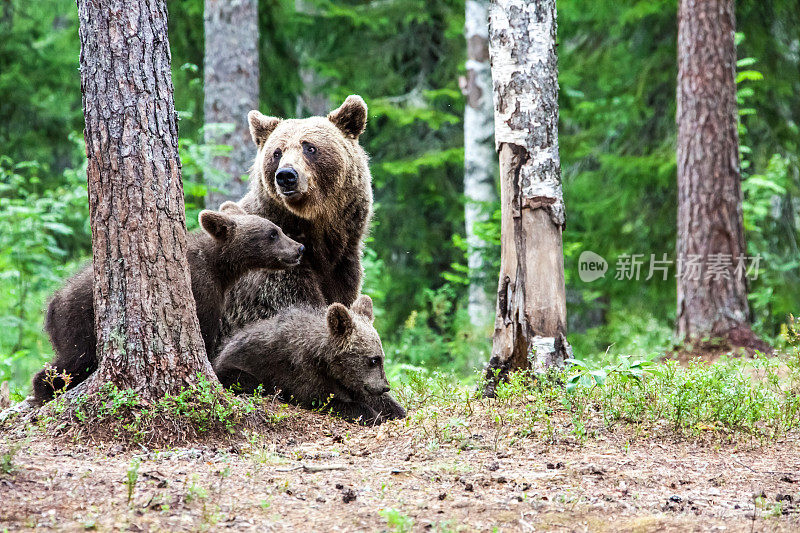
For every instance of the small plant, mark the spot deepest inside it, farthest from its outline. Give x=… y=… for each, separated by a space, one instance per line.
x=7 y=454
x=586 y=374
x=195 y=492
x=132 y=477
x=121 y=414
x=397 y=521
x=52 y=377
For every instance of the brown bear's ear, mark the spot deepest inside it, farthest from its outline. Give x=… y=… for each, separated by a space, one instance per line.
x=351 y=117
x=261 y=126
x=216 y=224
x=232 y=208
x=363 y=306
x=340 y=323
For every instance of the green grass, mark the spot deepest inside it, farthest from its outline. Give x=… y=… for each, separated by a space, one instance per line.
x=731 y=398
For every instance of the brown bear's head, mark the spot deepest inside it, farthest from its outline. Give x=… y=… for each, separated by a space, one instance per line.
x=249 y=240
x=357 y=353
x=303 y=163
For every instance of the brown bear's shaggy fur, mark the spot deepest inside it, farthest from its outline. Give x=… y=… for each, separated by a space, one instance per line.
x=311 y=177
x=316 y=357
x=232 y=244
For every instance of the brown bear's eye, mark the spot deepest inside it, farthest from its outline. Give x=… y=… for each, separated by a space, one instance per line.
x=273 y=235
x=309 y=148
x=374 y=361
x=276 y=154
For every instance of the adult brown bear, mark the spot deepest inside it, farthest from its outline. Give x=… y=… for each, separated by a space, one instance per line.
x=312 y=179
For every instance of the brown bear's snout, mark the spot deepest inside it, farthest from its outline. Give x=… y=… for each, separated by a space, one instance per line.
x=292 y=255
x=377 y=390
x=286 y=179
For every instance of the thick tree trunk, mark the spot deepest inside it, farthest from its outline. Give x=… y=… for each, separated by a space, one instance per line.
x=530 y=325
x=148 y=337
x=479 y=159
x=312 y=101
x=231 y=90
x=710 y=229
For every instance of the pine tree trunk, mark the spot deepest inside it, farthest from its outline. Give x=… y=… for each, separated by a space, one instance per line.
x=148 y=337
x=312 y=101
x=710 y=228
x=530 y=325
x=231 y=90
x=479 y=161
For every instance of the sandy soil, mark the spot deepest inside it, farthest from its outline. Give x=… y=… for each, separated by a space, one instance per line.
x=314 y=473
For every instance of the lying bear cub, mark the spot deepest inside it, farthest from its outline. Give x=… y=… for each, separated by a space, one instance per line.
x=328 y=358
x=232 y=244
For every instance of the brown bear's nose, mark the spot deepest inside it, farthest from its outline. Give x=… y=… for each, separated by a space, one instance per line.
x=286 y=179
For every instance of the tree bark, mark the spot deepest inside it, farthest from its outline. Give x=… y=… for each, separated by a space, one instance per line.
x=710 y=228
x=479 y=162
x=530 y=326
x=312 y=101
x=231 y=75
x=148 y=336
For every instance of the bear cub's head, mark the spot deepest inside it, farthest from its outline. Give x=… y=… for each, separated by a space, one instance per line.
x=356 y=358
x=249 y=240
x=303 y=162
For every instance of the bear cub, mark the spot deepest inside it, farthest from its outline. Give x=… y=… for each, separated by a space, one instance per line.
x=232 y=243
x=329 y=358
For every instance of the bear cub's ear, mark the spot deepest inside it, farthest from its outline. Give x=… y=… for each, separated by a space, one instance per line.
x=261 y=126
x=340 y=323
x=218 y=225
x=231 y=208
x=363 y=306
x=351 y=117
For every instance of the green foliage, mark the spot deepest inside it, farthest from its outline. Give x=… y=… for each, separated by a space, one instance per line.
x=587 y=374
x=403 y=58
x=198 y=172
x=617 y=71
x=769 y=218
x=438 y=335
x=195 y=491
x=729 y=399
x=44 y=231
x=132 y=477
x=202 y=409
x=397 y=521
x=7 y=454
x=40 y=99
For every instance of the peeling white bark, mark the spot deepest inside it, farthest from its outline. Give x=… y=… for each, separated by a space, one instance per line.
x=479 y=158
x=530 y=325
x=525 y=75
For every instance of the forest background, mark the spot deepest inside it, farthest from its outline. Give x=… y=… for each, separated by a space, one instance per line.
x=617 y=63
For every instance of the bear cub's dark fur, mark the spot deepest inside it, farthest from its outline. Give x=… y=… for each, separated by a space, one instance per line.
x=316 y=357
x=231 y=244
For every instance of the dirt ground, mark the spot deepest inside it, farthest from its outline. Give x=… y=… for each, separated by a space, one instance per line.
x=315 y=473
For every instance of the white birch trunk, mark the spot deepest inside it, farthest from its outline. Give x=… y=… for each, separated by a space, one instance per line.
x=231 y=90
x=479 y=158
x=530 y=325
